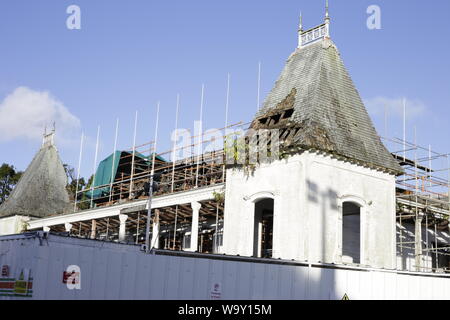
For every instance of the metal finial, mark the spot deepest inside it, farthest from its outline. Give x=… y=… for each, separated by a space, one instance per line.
x=300 y=31
x=300 y=27
x=326 y=10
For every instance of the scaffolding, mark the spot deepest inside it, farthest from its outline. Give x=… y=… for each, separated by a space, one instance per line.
x=422 y=198
x=422 y=207
x=130 y=183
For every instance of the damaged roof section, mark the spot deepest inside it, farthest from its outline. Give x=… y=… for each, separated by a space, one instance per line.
x=316 y=99
x=41 y=191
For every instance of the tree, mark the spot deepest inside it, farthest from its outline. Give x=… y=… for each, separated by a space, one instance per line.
x=8 y=179
x=72 y=187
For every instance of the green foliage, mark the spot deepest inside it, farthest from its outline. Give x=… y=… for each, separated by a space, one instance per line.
x=219 y=196
x=8 y=179
x=84 y=202
x=72 y=187
x=238 y=147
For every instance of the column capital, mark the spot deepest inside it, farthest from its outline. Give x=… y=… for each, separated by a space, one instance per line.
x=123 y=218
x=196 y=206
x=419 y=217
x=68 y=226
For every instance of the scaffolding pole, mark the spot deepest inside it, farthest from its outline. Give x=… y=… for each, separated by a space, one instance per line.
x=174 y=154
x=134 y=155
x=150 y=192
x=95 y=168
x=78 y=172
x=200 y=136
x=114 y=161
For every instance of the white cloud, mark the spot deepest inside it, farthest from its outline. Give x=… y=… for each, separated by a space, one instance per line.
x=377 y=106
x=25 y=112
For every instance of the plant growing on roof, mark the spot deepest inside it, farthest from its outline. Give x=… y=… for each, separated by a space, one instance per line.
x=219 y=196
x=237 y=149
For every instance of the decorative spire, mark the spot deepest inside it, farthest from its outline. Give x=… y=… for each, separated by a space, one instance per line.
x=48 y=138
x=312 y=35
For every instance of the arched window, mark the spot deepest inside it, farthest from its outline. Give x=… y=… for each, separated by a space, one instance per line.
x=263 y=228
x=351 y=232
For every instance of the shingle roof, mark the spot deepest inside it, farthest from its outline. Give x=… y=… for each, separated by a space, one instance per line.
x=328 y=113
x=41 y=191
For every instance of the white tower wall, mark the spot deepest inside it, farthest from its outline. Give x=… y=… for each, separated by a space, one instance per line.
x=308 y=191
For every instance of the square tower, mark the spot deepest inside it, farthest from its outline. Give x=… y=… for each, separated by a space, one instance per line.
x=331 y=197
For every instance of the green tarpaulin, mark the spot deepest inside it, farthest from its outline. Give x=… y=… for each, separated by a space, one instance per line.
x=108 y=168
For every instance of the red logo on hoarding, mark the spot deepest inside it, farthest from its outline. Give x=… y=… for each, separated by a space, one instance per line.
x=71 y=277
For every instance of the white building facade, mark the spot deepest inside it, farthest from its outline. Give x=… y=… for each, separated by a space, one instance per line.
x=309 y=215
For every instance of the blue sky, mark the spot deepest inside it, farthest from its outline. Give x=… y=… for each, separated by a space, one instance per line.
x=130 y=54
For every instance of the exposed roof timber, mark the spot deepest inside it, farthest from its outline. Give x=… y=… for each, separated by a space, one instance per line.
x=408 y=162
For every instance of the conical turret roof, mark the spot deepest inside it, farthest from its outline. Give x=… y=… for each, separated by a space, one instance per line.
x=41 y=191
x=316 y=99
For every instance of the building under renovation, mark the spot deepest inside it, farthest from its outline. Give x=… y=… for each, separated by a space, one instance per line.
x=332 y=193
